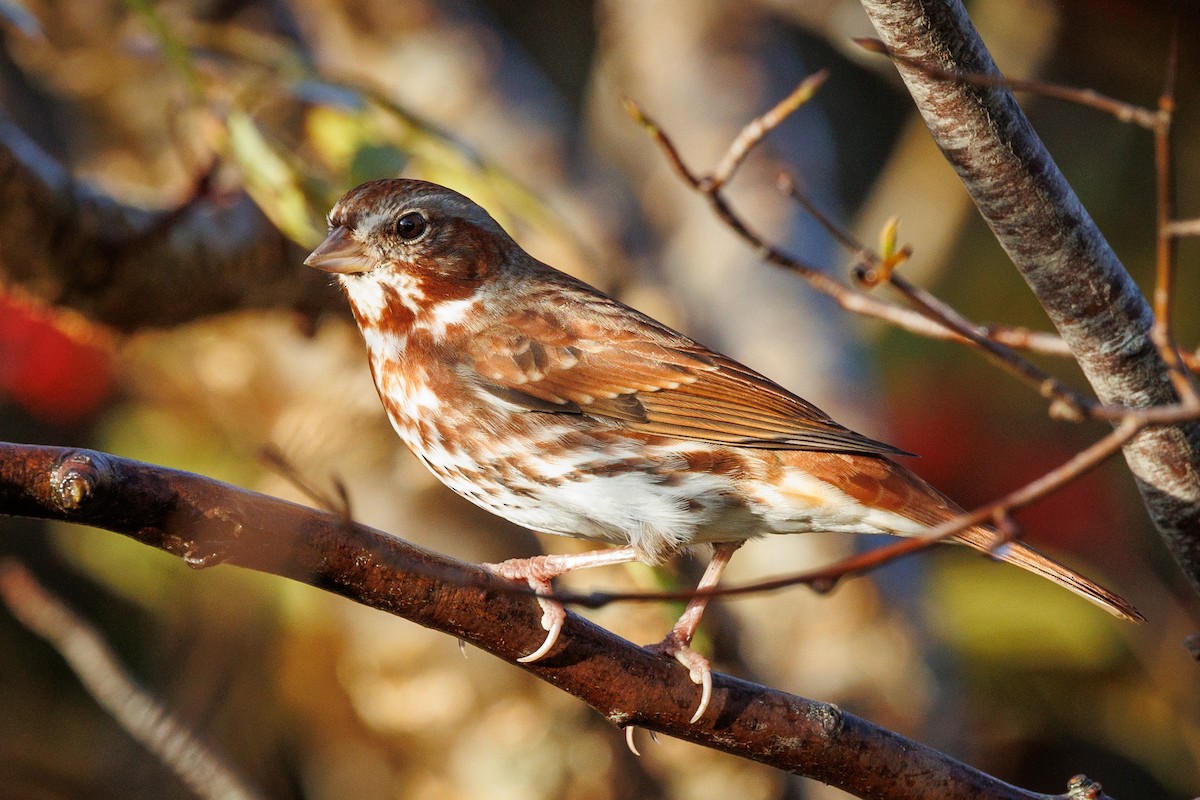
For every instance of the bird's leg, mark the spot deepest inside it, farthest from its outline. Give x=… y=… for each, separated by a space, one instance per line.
x=678 y=643
x=539 y=571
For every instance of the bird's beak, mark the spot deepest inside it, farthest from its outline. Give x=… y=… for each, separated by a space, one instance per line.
x=340 y=252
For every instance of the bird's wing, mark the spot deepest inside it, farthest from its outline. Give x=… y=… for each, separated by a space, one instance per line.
x=617 y=365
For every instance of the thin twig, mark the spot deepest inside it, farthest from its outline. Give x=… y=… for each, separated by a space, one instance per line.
x=1119 y=109
x=759 y=127
x=788 y=185
x=1066 y=402
x=1184 y=227
x=848 y=299
x=1166 y=252
x=101 y=674
x=272 y=457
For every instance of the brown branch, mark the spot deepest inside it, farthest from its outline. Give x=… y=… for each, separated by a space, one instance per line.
x=101 y=674
x=874 y=269
x=207 y=522
x=950 y=324
x=847 y=298
x=854 y=302
x=73 y=246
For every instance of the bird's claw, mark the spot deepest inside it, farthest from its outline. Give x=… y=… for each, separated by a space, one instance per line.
x=699 y=669
x=629 y=729
x=554 y=616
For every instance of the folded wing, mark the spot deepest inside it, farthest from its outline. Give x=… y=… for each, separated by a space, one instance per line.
x=648 y=378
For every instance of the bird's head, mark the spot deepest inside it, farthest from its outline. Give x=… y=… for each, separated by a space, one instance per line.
x=410 y=242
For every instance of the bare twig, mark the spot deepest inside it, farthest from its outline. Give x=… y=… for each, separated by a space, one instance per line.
x=874 y=269
x=847 y=298
x=101 y=674
x=1184 y=227
x=1167 y=244
x=1066 y=403
x=274 y=459
x=1121 y=110
x=788 y=185
x=758 y=128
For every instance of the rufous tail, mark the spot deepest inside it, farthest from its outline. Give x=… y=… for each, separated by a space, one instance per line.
x=1026 y=557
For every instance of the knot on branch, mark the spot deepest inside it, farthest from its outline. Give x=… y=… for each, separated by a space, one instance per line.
x=829 y=717
x=76 y=478
x=1081 y=787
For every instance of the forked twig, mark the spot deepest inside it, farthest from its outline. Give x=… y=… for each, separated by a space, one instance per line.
x=874 y=269
x=856 y=302
x=847 y=298
x=758 y=128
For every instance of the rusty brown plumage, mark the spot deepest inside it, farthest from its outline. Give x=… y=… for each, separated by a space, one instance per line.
x=548 y=403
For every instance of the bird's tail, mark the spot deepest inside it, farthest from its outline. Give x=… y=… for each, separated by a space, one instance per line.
x=1026 y=557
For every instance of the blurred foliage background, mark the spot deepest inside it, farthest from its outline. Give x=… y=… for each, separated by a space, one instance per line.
x=518 y=106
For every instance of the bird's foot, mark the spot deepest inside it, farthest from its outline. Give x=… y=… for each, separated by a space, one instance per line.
x=538 y=571
x=698 y=667
x=537 y=574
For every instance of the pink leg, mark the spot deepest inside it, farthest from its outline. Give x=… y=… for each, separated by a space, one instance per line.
x=538 y=571
x=679 y=641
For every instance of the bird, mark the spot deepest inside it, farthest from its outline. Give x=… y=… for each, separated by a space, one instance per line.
x=546 y=402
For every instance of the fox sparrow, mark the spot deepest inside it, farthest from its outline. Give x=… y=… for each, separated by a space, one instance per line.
x=554 y=406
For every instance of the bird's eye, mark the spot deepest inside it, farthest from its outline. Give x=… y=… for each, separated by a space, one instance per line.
x=410 y=226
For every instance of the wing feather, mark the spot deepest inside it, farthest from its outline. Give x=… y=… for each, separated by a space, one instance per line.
x=629 y=370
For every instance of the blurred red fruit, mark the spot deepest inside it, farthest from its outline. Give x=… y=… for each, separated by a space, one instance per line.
x=54 y=364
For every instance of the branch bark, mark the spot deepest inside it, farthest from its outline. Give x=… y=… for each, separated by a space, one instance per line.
x=208 y=522
x=132 y=268
x=1035 y=215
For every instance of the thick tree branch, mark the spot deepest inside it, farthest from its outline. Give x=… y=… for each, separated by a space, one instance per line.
x=1039 y=221
x=207 y=522
x=131 y=268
